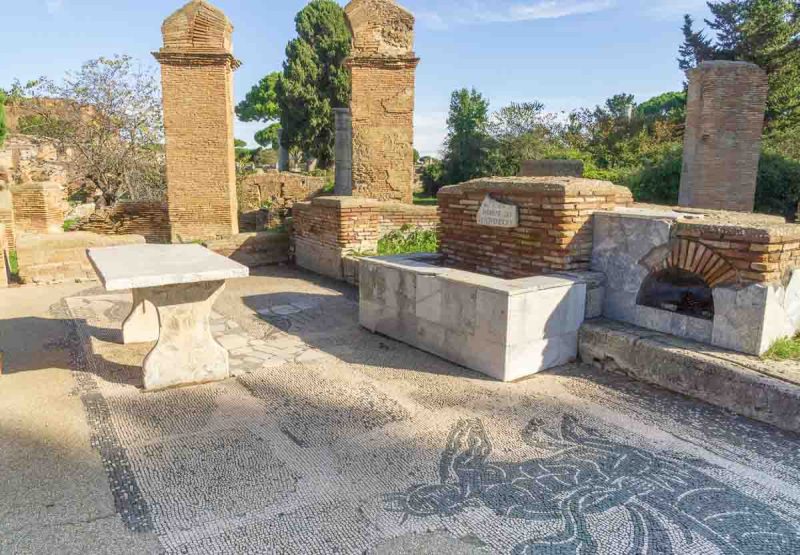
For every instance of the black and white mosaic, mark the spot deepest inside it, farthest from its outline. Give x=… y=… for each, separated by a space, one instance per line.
x=586 y=482
x=327 y=441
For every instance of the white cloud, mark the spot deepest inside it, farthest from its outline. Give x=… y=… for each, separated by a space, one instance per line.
x=501 y=11
x=54 y=6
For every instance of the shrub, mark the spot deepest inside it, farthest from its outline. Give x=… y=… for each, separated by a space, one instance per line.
x=778 y=190
x=408 y=239
x=658 y=181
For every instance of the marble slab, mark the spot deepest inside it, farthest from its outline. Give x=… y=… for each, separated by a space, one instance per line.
x=138 y=266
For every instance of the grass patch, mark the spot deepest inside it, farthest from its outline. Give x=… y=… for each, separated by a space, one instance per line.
x=69 y=224
x=408 y=240
x=421 y=200
x=784 y=349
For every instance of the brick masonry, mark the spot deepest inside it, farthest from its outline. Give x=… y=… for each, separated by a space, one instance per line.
x=353 y=224
x=722 y=144
x=555 y=231
x=38 y=207
x=148 y=219
x=382 y=66
x=257 y=189
x=750 y=253
x=197 y=68
x=254 y=249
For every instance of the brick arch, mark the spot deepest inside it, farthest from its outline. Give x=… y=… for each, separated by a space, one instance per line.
x=699 y=259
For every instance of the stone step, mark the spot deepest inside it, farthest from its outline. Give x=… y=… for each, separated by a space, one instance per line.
x=746 y=385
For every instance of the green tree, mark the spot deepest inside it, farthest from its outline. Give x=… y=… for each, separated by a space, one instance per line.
x=108 y=114
x=261 y=104
x=3 y=129
x=521 y=131
x=468 y=146
x=764 y=32
x=315 y=80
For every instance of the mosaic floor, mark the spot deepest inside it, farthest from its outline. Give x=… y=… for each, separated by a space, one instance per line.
x=333 y=440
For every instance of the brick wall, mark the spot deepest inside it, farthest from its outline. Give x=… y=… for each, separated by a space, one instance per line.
x=554 y=232
x=722 y=143
x=256 y=189
x=353 y=224
x=759 y=253
x=382 y=67
x=197 y=81
x=254 y=249
x=38 y=207
x=148 y=219
x=326 y=229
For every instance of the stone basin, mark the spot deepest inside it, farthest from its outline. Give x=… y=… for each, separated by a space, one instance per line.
x=506 y=329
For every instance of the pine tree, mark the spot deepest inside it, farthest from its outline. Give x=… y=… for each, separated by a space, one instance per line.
x=315 y=80
x=764 y=32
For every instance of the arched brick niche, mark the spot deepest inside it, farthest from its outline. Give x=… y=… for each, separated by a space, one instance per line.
x=696 y=258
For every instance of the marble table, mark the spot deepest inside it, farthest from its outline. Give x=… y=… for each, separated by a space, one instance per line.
x=174 y=288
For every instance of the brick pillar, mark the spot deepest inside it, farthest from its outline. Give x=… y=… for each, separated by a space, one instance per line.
x=722 y=144
x=382 y=66
x=343 y=185
x=197 y=68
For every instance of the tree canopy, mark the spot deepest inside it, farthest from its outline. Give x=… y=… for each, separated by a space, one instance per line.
x=468 y=143
x=261 y=104
x=314 y=80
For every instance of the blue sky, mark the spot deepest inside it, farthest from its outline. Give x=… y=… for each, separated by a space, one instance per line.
x=565 y=53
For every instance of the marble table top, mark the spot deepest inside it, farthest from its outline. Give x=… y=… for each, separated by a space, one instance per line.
x=138 y=266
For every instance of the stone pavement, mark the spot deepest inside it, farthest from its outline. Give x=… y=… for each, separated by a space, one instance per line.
x=332 y=440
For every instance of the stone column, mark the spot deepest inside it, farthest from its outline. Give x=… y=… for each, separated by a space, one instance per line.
x=197 y=68
x=344 y=152
x=283 y=154
x=722 y=142
x=382 y=67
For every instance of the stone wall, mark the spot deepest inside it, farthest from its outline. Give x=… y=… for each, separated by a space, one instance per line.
x=197 y=80
x=328 y=228
x=555 y=224
x=148 y=219
x=382 y=66
x=257 y=189
x=61 y=257
x=722 y=142
x=38 y=207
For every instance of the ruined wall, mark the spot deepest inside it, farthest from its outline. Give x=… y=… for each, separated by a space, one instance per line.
x=382 y=66
x=722 y=143
x=555 y=224
x=148 y=219
x=197 y=80
x=257 y=189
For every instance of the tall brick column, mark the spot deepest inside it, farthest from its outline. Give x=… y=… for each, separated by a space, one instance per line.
x=197 y=66
x=722 y=143
x=382 y=66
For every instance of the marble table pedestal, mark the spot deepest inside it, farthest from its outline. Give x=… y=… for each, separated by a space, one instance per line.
x=178 y=318
x=174 y=288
